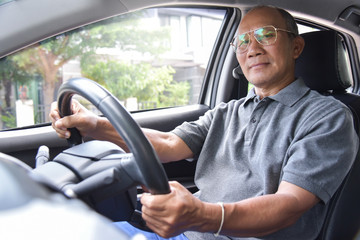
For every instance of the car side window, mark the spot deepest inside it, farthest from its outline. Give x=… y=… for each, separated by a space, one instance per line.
x=148 y=59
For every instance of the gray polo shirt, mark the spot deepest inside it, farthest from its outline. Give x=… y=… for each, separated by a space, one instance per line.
x=246 y=147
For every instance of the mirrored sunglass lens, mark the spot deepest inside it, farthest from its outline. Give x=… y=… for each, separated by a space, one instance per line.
x=265 y=35
x=242 y=42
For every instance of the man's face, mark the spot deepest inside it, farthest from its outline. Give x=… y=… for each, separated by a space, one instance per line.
x=271 y=65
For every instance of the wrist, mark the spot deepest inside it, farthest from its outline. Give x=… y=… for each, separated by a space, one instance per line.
x=96 y=127
x=213 y=218
x=104 y=130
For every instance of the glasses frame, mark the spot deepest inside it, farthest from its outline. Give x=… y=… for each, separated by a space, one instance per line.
x=235 y=48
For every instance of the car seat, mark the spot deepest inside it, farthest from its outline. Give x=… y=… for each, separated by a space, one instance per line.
x=324 y=67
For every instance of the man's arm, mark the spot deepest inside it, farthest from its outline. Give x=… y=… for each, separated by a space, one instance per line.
x=168 y=146
x=270 y=213
x=179 y=211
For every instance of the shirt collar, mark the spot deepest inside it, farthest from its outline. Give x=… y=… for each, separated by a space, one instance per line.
x=288 y=95
x=251 y=95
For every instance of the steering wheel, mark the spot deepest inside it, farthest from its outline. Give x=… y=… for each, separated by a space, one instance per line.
x=150 y=171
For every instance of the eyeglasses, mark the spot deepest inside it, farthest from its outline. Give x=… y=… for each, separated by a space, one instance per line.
x=265 y=36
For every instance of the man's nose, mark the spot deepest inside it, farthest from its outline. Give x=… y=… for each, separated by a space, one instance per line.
x=254 y=48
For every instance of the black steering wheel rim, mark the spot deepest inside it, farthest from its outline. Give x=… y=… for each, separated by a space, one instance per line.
x=150 y=171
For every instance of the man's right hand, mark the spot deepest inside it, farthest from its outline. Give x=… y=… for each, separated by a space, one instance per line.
x=82 y=119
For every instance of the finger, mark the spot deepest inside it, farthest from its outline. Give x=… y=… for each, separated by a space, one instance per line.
x=175 y=185
x=152 y=213
x=54 y=106
x=156 y=202
x=54 y=115
x=154 y=223
x=54 y=112
x=161 y=228
x=65 y=135
x=61 y=131
x=63 y=125
x=75 y=106
x=152 y=202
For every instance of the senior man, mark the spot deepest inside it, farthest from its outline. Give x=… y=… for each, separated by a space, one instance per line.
x=267 y=164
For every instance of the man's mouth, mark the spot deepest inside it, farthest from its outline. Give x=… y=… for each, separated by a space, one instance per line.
x=258 y=65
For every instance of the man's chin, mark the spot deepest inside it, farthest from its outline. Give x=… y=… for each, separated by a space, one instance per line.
x=259 y=82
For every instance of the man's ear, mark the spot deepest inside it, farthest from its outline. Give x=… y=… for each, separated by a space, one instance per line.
x=299 y=45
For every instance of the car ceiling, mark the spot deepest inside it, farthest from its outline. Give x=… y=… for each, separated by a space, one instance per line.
x=23 y=22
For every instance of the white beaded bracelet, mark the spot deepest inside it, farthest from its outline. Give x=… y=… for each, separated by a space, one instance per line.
x=222 y=218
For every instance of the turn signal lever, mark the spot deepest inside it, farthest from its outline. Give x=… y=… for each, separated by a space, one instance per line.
x=42 y=156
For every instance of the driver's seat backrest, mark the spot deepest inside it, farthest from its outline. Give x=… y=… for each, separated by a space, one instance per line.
x=323 y=66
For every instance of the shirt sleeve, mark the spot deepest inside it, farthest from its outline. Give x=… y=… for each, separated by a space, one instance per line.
x=194 y=133
x=318 y=171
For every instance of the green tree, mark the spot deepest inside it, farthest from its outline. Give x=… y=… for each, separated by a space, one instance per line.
x=143 y=81
x=47 y=57
x=7 y=74
x=10 y=73
x=176 y=94
x=135 y=78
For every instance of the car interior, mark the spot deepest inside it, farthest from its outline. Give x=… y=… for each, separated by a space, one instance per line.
x=329 y=64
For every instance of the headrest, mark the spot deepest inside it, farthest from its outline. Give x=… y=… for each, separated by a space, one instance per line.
x=323 y=64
